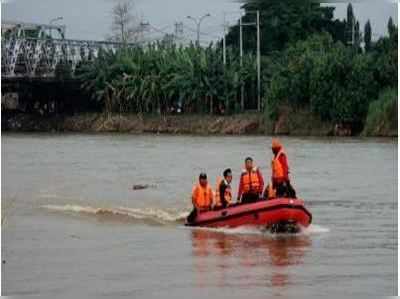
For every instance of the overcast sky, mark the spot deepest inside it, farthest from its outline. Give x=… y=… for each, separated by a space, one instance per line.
x=90 y=19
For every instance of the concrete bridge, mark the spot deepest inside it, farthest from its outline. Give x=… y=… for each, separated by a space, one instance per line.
x=35 y=50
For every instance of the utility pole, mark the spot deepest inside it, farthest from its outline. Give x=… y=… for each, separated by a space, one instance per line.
x=178 y=28
x=178 y=31
x=198 y=23
x=143 y=26
x=258 y=64
x=241 y=61
x=257 y=24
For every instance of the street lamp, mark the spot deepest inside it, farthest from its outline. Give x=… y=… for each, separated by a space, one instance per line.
x=198 y=22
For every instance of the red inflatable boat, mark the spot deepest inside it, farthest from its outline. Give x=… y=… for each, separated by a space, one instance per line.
x=276 y=215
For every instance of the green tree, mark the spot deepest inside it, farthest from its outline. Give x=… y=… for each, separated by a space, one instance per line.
x=350 y=15
x=326 y=77
x=350 y=24
x=357 y=36
x=367 y=36
x=392 y=30
x=282 y=22
x=386 y=60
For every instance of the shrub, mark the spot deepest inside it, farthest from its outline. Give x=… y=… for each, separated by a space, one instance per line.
x=382 y=115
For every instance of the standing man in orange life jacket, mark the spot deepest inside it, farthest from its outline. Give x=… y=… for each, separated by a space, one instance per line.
x=251 y=183
x=280 y=172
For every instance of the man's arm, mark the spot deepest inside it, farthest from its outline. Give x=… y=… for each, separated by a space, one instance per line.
x=261 y=179
x=283 y=161
x=212 y=195
x=194 y=197
x=240 y=191
x=222 y=188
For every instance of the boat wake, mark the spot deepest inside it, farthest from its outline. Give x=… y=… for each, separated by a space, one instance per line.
x=160 y=216
x=165 y=217
x=313 y=229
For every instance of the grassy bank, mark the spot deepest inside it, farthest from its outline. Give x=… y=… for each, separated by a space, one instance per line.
x=381 y=122
x=133 y=123
x=299 y=122
x=382 y=115
x=238 y=124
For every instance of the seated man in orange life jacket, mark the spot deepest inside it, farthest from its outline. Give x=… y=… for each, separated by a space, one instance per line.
x=251 y=183
x=223 y=192
x=280 y=184
x=202 y=197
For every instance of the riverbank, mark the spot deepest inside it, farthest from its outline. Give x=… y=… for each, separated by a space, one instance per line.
x=137 y=124
x=300 y=123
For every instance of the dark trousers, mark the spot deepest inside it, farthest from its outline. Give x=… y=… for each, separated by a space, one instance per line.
x=285 y=189
x=250 y=197
x=192 y=216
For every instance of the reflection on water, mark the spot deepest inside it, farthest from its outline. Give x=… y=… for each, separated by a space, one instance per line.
x=219 y=256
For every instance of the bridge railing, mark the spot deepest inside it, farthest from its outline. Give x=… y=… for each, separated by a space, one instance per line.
x=32 y=57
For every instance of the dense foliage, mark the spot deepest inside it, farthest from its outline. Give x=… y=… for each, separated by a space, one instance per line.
x=284 y=22
x=332 y=80
x=309 y=61
x=159 y=78
x=382 y=114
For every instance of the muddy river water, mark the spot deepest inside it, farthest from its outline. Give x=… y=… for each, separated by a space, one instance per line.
x=73 y=225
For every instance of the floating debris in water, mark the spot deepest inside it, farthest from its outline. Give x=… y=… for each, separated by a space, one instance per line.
x=142 y=186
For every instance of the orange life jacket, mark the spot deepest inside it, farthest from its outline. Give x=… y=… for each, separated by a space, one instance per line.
x=227 y=195
x=277 y=168
x=202 y=197
x=271 y=191
x=251 y=182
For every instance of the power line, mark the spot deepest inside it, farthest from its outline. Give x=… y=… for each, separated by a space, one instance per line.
x=162 y=30
x=201 y=33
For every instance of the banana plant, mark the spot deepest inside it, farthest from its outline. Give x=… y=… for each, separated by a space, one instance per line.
x=155 y=77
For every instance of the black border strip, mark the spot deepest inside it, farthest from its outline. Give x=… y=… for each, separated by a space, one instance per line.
x=280 y=206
